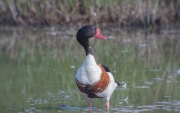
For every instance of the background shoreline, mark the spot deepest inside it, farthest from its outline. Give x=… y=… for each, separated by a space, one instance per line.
x=137 y=13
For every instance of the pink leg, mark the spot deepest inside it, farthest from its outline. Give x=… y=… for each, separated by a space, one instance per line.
x=90 y=104
x=107 y=105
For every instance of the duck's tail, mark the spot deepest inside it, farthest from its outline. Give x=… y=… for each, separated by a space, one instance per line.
x=117 y=83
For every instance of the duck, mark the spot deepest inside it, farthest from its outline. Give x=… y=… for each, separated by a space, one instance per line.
x=92 y=79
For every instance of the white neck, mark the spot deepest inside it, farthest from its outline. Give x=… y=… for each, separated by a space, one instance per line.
x=90 y=60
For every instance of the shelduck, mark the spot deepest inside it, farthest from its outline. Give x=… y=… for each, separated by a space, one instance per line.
x=92 y=79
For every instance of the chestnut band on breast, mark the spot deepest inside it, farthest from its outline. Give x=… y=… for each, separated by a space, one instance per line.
x=97 y=87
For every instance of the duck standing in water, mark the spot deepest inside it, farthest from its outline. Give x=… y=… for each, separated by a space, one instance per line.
x=92 y=79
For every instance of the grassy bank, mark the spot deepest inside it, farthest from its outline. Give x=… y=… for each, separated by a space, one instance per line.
x=148 y=13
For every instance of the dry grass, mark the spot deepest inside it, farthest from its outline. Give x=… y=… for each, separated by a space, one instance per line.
x=147 y=13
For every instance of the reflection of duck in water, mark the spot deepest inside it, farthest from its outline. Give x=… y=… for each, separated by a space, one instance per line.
x=93 y=80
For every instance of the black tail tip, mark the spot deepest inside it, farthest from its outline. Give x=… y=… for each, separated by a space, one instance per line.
x=117 y=83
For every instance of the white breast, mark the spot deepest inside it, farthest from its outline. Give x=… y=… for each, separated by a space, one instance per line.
x=89 y=72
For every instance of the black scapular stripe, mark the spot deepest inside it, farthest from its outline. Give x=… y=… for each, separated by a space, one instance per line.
x=106 y=68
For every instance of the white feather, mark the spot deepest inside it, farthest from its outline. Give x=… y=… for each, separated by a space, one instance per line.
x=109 y=90
x=89 y=72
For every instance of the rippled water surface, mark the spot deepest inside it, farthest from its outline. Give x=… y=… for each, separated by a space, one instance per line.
x=38 y=66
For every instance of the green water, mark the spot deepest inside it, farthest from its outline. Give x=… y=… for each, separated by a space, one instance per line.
x=38 y=66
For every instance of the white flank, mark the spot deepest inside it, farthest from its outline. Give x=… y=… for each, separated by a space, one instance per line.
x=109 y=90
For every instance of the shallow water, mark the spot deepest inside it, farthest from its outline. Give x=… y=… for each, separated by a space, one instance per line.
x=38 y=66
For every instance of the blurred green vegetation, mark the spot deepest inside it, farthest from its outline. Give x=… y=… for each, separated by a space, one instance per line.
x=148 y=13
